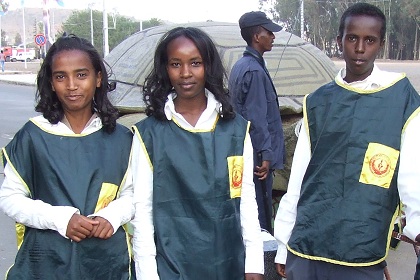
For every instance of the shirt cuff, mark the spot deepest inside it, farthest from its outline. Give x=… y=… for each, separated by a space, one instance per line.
x=281 y=255
x=63 y=215
x=114 y=220
x=267 y=155
x=146 y=268
x=254 y=261
x=118 y=212
x=411 y=230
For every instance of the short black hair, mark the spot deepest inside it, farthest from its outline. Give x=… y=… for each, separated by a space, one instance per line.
x=248 y=32
x=363 y=9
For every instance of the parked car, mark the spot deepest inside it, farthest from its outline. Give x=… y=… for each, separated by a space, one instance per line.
x=22 y=56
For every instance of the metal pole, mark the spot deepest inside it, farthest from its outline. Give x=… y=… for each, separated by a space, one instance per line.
x=91 y=25
x=302 y=21
x=24 y=37
x=47 y=26
x=105 y=20
x=52 y=31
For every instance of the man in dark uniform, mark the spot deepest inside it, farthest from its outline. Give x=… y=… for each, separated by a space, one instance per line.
x=254 y=97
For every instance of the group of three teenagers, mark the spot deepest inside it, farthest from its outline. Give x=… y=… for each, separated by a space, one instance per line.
x=71 y=208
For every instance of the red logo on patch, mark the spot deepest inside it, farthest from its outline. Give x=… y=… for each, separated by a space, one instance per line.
x=236 y=176
x=380 y=165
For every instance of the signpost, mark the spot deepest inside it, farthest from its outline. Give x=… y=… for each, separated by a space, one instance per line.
x=40 y=41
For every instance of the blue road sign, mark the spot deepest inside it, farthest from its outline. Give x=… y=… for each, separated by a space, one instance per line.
x=40 y=39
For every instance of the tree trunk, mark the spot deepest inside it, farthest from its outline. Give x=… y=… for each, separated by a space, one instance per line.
x=387 y=42
x=415 y=45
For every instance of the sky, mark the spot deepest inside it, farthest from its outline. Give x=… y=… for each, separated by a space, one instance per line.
x=177 y=11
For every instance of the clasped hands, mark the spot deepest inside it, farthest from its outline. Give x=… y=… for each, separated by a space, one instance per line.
x=81 y=227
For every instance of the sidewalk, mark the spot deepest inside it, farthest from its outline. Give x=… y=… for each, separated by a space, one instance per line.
x=18 y=78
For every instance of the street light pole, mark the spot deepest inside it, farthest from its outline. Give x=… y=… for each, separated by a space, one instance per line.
x=302 y=21
x=91 y=24
x=24 y=36
x=1 y=37
x=105 y=20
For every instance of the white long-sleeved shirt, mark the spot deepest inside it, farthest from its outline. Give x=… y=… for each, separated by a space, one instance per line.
x=408 y=173
x=143 y=241
x=16 y=203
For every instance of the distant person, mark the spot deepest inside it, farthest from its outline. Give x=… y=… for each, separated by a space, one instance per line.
x=196 y=214
x=356 y=157
x=255 y=98
x=2 y=60
x=67 y=185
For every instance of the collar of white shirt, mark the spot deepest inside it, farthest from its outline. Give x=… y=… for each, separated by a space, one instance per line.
x=94 y=124
x=207 y=118
x=376 y=79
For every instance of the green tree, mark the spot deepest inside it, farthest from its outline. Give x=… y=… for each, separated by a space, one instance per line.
x=124 y=27
x=3 y=38
x=323 y=29
x=412 y=9
x=151 y=23
x=79 y=23
x=320 y=21
x=35 y=26
x=18 y=39
x=4 y=6
x=285 y=11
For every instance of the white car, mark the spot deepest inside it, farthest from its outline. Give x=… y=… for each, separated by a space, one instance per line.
x=22 y=57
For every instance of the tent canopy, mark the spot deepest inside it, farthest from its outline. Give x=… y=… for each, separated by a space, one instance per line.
x=296 y=66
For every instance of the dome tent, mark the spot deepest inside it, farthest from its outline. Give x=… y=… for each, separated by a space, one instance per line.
x=296 y=66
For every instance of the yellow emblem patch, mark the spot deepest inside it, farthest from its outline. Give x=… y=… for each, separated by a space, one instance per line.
x=107 y=194
x=236 y=167
x=379 y=165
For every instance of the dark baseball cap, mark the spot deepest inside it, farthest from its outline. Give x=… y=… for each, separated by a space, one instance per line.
x=258 y=19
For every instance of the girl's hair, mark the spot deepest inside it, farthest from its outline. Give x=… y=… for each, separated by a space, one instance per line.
x=363 y=9
x=47 y=101
x=157 y=85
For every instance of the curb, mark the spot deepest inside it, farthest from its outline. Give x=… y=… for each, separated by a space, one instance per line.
x=18 y=78
x=19 y=83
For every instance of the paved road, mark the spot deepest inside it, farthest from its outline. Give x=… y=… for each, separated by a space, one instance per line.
x=16 y=107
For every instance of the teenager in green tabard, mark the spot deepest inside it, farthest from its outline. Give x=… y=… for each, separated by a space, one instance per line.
x=356 y=158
